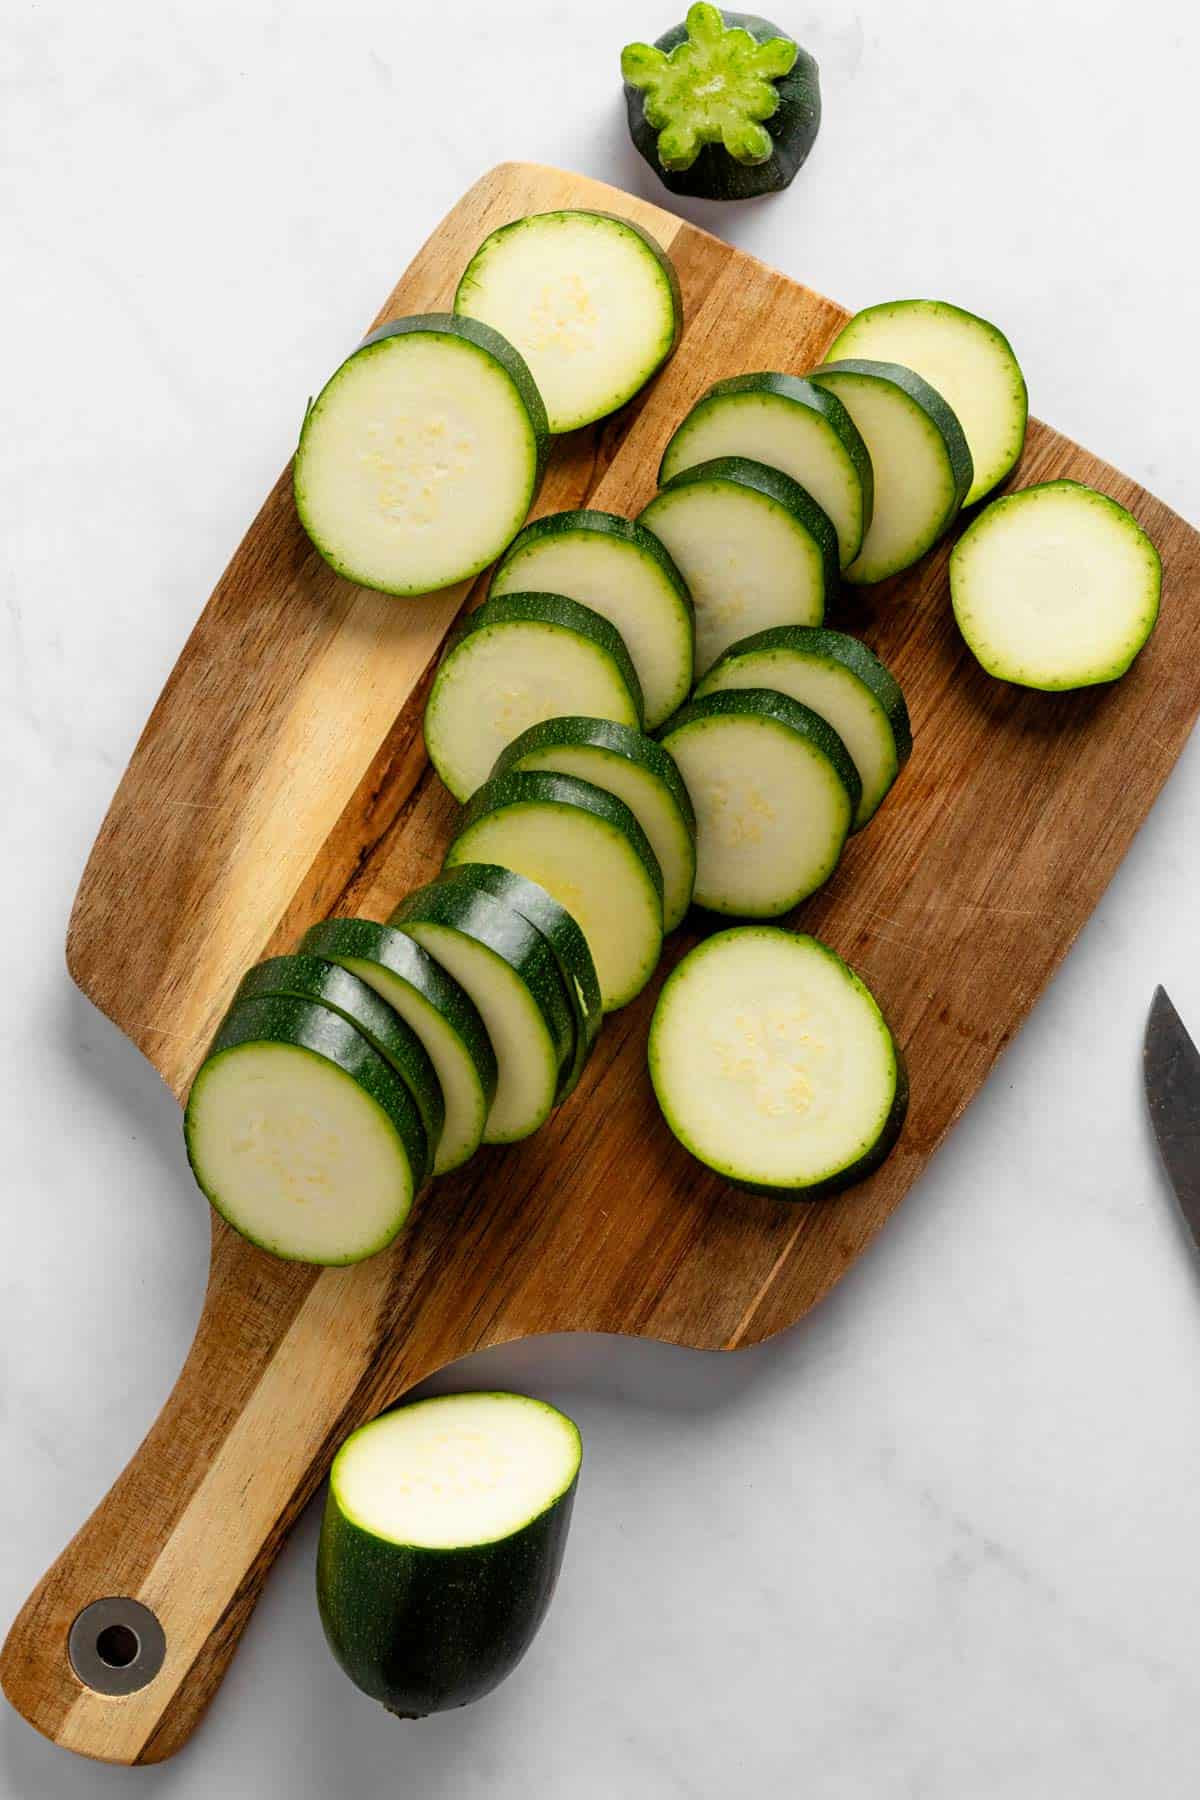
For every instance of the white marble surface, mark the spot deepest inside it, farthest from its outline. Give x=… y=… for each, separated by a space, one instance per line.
x=941 y=1540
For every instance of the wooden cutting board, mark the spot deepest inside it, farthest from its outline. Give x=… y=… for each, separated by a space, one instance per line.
x=282 y=777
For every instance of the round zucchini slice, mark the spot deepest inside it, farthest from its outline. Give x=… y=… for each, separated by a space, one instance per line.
x=567 y=944
x=507 y=968
x=724 y=106
x=922 y=465
x=774 y=1066
x=1055 y=587
x=754 y=548
x=309 y=978
x=444 y=1529
x=775 y=793
x=421 y=455
x=440 y=1012
x=586 y=848
x=303 y=1138
x=591 y=301
x=839 y=678
x=621 y=571
x=638 y=771
x=515 y=660
x=970 y=363
x=789 y=424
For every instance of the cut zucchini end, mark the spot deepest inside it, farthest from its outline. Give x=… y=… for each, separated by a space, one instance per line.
x=421 y=455
x=715 y=87
x=457 y=1470
x=1055 y=587
x=590 y=300
x=774 y=1066
x=295 y=1156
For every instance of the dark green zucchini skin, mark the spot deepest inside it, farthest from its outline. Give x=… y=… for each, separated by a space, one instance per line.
x=400 y=955
x=424 y=1631
x=793 y=126
x=567 y=945
x=310 y=978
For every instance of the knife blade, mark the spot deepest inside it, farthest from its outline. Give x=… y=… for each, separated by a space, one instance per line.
x=1171 y=1073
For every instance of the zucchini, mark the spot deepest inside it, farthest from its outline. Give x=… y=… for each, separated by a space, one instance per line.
x=639 y=772
x=789 y=424
x=567 y=945
x=843 y=681
x=775 y=793
x=309 y=978
x=421 y=455
x=1055 y=587
x=754 y=548
x=303 y=1138
x=515 y=660
x=586 y=848
x=968 y=361
x=724 y=106
x=507 y=968
x=774 y=1066
x=920 y=457
x=591 y=301
x=621 y=571
x=443 y=1533
x=442 y=1014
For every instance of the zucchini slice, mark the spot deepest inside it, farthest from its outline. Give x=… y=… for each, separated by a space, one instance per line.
x=421 y=455
x=639 y=772
x=567 y=944
x=918 y=452
x=513 y=661
x=591 y=301
x=303 y=1138
x=754 y=548
x=970 y=363
x=1055 y=587
x=438 y=1010
x=789 y=424
x=309 y=978
x=839 y=678
x=621 y=571
x=774 y=1066
x=586 y=848
x=506 y=966
x=724 y=106
x=444 y=1529
x=775 y=793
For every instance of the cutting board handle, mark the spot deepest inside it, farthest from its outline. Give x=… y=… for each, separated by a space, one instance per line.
x=180 y=1546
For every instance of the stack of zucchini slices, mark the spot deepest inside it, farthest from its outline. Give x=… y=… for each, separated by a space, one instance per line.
x=643 y=713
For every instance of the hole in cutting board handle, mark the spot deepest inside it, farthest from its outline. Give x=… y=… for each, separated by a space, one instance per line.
x=116 y=1645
